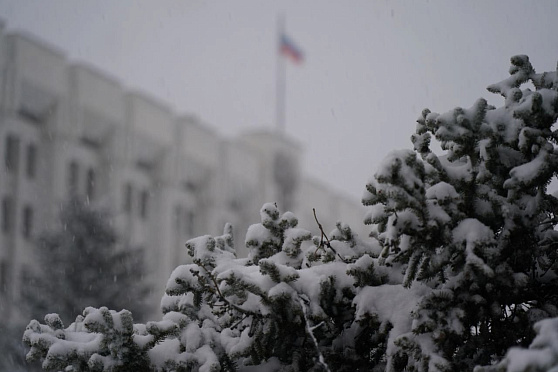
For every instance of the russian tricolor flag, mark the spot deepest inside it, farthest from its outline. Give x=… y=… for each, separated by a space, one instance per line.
x=290 y=49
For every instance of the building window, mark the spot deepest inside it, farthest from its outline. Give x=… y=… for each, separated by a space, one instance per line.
x=3 y=276
x=184 y=220
x=90 y=187
x=31 y=161
x=7 y=215
x=27 y=225
x=73 y=177
x=144 y=204
x=177 y=219
x=128 y=191
x=189 y=222
x=11 y=156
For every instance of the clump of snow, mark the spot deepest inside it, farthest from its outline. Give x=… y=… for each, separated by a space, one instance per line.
x=392 y=304
x=473 y=234
x=441 y=191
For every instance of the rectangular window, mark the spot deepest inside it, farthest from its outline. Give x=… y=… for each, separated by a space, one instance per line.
x=11 y=156
x=73 y=177
x=177 y=219
x=27 y=225
x=144 y=204
x=31 y=161
x=90 y=187
x=3 y=276
x=189 y=221
x=7 y=215
x=128 y=191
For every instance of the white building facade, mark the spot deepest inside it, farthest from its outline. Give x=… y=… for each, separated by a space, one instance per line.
x=71 y=130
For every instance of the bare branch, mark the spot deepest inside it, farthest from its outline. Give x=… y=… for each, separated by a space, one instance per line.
x=327 y=242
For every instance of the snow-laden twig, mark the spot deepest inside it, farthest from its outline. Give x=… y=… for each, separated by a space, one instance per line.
x=309 y=329
x=220 y=294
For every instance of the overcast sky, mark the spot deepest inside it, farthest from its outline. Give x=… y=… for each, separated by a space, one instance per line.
x=370 y=67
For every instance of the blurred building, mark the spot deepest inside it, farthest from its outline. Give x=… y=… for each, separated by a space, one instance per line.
x=67 y=129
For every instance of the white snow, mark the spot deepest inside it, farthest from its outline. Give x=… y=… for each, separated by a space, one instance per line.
x=473 y=234
x=441 y=191
x=393 y=304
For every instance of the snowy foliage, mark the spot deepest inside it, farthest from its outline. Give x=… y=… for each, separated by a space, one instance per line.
x=541 y=356
x=476 y=224
x=290 y=302
x=461 y=264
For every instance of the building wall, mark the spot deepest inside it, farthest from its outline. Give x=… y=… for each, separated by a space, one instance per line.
x=71 y=130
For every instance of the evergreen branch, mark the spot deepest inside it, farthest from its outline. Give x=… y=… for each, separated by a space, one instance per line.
x=309 y=330
x=549 y=221
x=222 y=297
x=240 y=321
x=549 y=268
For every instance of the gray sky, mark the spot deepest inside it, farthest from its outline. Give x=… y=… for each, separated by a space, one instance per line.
x=370 y=67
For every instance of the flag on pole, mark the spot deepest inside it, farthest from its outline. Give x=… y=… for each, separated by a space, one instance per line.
x=289 y=49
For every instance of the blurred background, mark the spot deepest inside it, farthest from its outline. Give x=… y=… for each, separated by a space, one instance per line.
x=136 y=125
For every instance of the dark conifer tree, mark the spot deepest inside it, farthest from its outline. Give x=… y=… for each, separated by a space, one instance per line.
x=83 y=263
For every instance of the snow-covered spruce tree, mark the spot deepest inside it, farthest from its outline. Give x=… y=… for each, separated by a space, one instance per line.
x=289 y=301
x=82 y=264
x=288 y=306
x=476 y=225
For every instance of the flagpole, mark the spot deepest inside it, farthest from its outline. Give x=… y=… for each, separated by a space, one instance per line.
x=280 y=82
